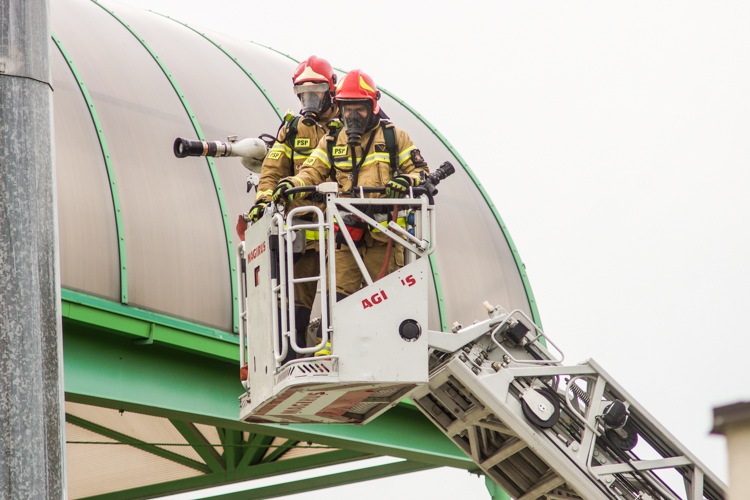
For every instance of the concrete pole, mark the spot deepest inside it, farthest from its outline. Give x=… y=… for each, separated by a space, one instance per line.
x=32 y=437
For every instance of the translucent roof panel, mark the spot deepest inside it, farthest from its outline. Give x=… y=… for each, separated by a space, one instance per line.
x=229 y=104
x=88 y=238
x=178 y=262
x=272 y=70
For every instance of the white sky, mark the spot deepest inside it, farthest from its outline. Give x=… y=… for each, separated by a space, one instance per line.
x=613 y=138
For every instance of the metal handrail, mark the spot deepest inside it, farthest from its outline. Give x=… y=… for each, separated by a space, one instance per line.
x=284 y=226
x=320 y=226
x=279 y=287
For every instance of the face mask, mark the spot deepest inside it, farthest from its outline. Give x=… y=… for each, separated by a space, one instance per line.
x=312 y=106
x=314 y=100
x=355 y=123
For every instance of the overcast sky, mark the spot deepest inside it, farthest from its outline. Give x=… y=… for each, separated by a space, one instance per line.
x=613 y=138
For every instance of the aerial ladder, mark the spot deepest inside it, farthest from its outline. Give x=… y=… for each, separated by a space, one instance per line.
x=498 y=388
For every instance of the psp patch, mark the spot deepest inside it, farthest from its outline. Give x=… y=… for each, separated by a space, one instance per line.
x=274 y=155
x=341 y=151
x=302 y=143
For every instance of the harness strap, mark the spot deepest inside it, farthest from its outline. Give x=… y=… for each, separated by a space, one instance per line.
x=389 y=133
x=355 y=166
x=331 y=138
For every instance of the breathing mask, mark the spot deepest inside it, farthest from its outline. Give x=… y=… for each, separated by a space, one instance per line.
x=357 y=118
x=315 y=99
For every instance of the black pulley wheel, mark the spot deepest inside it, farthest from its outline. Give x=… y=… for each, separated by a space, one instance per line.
x=552 y=400
x=624 y=438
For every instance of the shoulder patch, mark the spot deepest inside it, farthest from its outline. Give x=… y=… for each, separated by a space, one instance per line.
x=340 y=150
x=416 y=156
x=380 y=148
x=302 y=143
x=274 y=155
x=310 y=160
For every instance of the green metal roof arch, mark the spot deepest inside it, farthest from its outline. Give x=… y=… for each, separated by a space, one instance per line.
x=110 y=171
x=209 y=160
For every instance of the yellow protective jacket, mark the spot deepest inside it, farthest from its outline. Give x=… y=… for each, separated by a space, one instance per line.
x=374 y=171
x=287 y=156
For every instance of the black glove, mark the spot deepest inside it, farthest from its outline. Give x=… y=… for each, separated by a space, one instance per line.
x=256 y=212
x=279 y=194
x=397 y=187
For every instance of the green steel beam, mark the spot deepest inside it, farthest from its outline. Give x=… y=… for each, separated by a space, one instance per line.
x=233 y=447
x=212 y=169
x=136 y=443
x=283 y=448
x=261 y=471
x=249 y=450
x=247 y=454
x=222 y=433
x=109 y=371
x=236 y=61
x=200 y=444
x=110 y=170
x=101 y=314
x=257 y=447
x=319 y=483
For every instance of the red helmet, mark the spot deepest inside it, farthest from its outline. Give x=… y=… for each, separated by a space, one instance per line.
x=357 y=85
x=315 y=69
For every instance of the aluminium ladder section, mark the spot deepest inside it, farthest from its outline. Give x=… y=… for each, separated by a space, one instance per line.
x=479 y=382
x=352 y=384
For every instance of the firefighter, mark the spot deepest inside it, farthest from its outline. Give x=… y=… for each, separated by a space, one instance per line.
x=371 y=152
x=314 y=84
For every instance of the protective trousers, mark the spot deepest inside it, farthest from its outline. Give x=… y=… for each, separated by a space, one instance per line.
x=308 y=265
x=348 y=274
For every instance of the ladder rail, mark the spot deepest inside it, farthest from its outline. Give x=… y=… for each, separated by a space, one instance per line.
x=671 y=445
x=578 y=452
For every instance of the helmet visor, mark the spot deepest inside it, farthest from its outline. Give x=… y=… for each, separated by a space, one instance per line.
x=314 y=99
x=308 y=87
x=311 y=101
